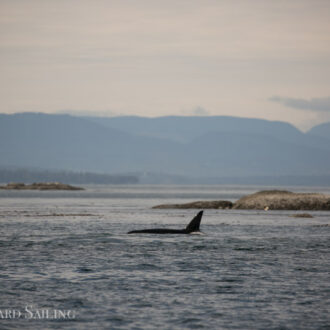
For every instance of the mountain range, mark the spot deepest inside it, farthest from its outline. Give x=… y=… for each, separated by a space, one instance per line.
x=190 y=147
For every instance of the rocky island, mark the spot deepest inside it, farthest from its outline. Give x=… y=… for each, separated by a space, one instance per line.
x=263 y=200
x=40 y=186
x=284 y=200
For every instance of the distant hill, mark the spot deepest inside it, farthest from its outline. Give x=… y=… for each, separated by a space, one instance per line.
x=175 y=147
x=185 y=129
x=72 y=143
x=322 y=130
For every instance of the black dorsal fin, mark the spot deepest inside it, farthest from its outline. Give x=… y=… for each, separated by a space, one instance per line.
x=194 y=223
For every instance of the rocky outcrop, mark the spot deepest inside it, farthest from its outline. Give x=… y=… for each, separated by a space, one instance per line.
x=301 y=215
x=264 y=200
x=198 y=205
x=40 y=186
x=283 y=200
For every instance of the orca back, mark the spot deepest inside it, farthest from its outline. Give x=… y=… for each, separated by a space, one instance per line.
x=193 y=227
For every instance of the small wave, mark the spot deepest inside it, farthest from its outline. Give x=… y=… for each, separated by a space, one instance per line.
x=84 y=270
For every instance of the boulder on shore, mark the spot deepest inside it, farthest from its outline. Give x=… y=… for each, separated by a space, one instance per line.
x=198 y=205
x=40 y=186
x=283 y=200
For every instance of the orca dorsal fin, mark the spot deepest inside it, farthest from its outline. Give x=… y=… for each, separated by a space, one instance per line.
x=194 y=223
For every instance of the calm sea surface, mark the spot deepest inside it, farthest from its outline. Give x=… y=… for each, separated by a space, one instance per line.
x=66 y=262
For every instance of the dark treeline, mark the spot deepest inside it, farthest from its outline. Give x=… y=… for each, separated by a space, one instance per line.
x=30 y=176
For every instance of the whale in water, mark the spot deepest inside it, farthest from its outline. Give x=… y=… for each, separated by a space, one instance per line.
x=192 y=228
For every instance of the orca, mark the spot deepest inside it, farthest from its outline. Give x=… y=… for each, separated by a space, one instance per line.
x=192 y=228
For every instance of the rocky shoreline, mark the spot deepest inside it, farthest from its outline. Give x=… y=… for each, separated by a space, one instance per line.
x=40 y=186
x=264 y=200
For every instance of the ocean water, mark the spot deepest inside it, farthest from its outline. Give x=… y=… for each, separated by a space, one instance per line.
x=67 y=262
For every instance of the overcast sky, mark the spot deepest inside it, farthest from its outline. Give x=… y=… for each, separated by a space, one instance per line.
x=248 y=58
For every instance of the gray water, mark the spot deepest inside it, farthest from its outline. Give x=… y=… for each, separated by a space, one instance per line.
x=67 y=262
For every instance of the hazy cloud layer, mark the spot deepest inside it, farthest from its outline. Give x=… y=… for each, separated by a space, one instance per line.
x=317 y=104
x=155 y=58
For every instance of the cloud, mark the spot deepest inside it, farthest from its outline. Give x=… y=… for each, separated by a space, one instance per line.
x=314 y=104
x=200 y=111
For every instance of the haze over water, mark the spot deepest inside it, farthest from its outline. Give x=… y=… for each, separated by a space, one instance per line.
x=69 y=251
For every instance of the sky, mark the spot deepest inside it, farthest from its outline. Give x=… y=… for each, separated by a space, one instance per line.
x=248 y=58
